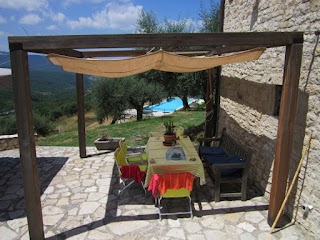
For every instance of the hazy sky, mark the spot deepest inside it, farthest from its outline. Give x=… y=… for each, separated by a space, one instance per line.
x=54 y=17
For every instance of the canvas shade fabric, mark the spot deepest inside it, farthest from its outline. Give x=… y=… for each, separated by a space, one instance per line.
x=159 y=60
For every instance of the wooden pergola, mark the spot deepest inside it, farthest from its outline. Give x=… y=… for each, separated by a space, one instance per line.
x=72 y=45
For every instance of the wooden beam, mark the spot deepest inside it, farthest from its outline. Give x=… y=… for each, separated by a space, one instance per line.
x=208 y=131
x=24 y=121
x=81 y=117
x=287 y=114
x=105 y=53
x=66 y=52
x=230 y=49
x=216 y=105
x=135 y=53
x=32 y=43
x=221 y=17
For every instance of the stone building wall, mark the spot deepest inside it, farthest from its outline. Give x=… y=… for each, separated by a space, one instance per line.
x=249 y=98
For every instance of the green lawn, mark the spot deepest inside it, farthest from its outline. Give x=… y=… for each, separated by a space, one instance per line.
x=189 y=120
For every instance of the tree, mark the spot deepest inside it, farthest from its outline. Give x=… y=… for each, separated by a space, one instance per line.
x=112 y=96
x=147 y=23
x=141 y=91
x=179 y=84
x=178 y=26
x=211 y=23
x=210 y=17
x=109 y=98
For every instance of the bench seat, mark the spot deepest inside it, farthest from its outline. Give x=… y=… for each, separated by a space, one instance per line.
x=226 y=162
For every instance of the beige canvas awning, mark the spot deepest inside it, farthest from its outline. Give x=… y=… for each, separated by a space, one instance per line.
x=159 y=60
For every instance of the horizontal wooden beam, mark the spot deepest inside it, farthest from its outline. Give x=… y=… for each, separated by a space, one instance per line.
x=32 y=43
x=230 y=49
x=106 y=53
x=135 y=53
x=66 y=52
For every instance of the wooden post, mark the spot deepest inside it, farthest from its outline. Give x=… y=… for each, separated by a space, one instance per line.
x=287 y=113
x=216 y=109
x=81 y=117
x=208 y=131
x=24 y=121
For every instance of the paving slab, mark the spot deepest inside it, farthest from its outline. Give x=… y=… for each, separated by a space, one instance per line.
x=79 y=201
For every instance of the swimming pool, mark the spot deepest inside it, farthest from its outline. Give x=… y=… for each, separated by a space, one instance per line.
x=169 y=105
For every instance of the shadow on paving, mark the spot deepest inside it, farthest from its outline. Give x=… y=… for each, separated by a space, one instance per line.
x=12 y=203
x=134 y=195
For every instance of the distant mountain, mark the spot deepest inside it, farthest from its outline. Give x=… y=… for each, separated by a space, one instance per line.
x=44 y=76
x=46 y=79
x=36 y=62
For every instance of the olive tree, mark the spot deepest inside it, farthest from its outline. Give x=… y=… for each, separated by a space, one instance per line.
x=111 y=96
x=141 y=91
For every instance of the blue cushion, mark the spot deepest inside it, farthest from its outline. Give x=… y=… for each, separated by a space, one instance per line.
x=211 y=150
x=212 y=159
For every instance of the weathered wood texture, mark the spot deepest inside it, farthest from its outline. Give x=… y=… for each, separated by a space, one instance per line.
x=135 y=53
x=81 y=116
x=208 y=129
x=66 y=52
x=154 y=40
x=23 y=108
x=217 y=95
x=215 y=165
x=287 y=114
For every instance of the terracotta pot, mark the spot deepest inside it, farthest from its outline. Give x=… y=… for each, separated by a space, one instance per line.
x=169 y=138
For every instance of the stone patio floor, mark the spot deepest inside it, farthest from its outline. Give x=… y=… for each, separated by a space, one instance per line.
x=79 y=201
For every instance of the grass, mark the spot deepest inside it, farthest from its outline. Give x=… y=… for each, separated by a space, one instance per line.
x=152 y=126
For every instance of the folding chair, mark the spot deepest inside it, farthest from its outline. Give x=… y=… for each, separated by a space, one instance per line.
x=128 y=174
x=174 y=185
x=132 y=158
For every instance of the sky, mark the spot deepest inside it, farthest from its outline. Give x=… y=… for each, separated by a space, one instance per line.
x=55 y=17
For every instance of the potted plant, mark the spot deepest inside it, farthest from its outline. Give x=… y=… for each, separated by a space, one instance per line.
x=105 y=142
x=169 y=134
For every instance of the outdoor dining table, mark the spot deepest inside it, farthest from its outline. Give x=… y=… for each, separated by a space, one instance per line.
x=160 y=163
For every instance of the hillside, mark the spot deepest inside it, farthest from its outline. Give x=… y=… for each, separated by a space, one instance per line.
x=47 y=81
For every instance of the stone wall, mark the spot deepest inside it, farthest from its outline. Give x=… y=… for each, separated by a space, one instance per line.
x=8 y=142
x=249 y=98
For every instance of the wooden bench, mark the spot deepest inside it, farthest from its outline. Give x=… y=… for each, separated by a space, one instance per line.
x=226 y=163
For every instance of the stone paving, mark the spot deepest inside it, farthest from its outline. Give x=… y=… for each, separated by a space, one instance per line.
x=79 y=201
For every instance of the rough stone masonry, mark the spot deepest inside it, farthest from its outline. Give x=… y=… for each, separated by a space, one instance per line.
x=250 y=95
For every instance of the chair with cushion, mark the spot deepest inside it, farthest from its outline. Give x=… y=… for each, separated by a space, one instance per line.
x=169 y=186
x=128 y=174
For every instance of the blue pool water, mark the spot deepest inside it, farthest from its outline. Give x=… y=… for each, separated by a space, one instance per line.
x=170 y=105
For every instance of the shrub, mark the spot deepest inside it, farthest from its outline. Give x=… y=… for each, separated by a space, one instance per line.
x=8 y=125
x=42 y=124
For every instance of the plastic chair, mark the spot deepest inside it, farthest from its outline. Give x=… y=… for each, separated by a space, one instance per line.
x=133 y=158
x=128 y=174
x=179 y=131
x=174 y=185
